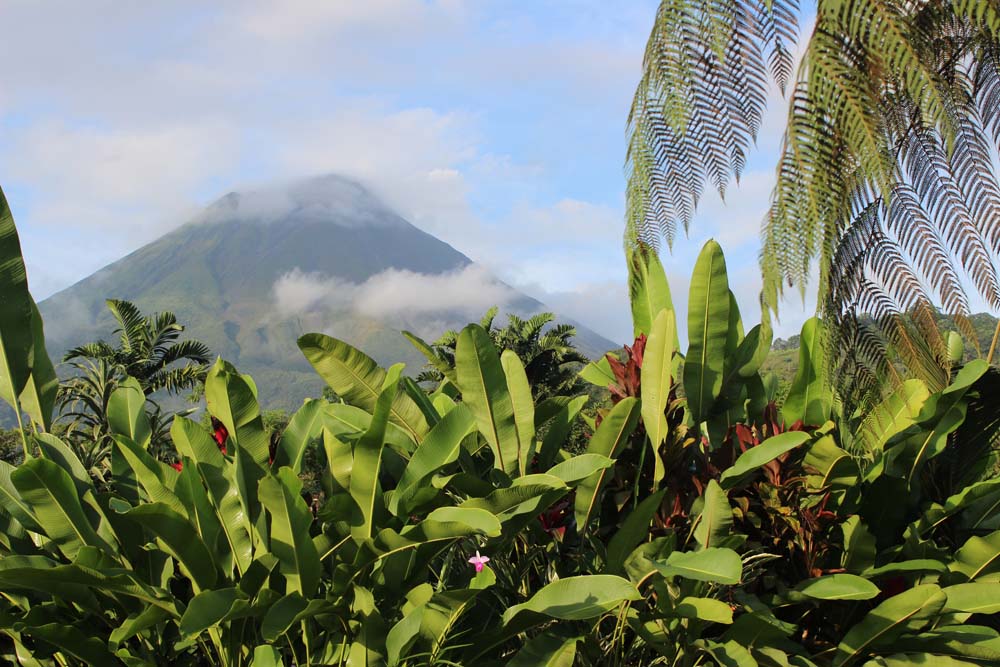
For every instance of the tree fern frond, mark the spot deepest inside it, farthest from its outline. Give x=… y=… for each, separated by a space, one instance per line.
x=699 y=104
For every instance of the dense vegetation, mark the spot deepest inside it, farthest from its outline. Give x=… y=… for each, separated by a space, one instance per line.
x=451 y=524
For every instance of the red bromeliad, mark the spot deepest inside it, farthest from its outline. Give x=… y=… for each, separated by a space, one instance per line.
x=628 y=374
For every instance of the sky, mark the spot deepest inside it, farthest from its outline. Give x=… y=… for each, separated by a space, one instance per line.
x=498 y=127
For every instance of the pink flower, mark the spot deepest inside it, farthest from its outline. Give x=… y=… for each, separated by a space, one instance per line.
x=479 y=561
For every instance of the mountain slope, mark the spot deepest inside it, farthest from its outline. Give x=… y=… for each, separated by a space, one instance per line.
x=256 y=270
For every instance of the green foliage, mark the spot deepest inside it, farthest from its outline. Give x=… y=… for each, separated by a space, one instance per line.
x=148 y=350
x=545 y=349
x=886 y=181
x=108 y=385
x=454 y=524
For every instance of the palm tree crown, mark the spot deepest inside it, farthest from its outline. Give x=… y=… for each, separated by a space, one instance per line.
x=148 y=350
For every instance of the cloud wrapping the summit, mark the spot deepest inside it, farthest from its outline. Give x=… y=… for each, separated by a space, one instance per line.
x=393 y=293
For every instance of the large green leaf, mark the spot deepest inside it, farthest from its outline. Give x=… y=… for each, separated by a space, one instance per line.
x=558 y=430
x=16 y=339
x=649 y=292
x=580 y=467
x=708 y=328
x=357 y=379
x=438 y=449
x=150 y=474
x=860 y=549
x=752 y=351
x=444 y=609
x=288 y=611
x=657 y=363
x=127 y=412
x=974 y=598
x=343 y=420
x=943 y=413
x=765 y=452
x=364 y=486
x=809 y=398
x=11 y=501
x=73 y=642
x=136 y=623
x=523 y=403
x=209 y=608
x=830 y=465
x=178 y=537
x=49 y=492
x=897 y=411
x=194 y=443
x=715 y=521
x=730 y=654
x=714 y=564
x=290 y=541
x=546 y=650
x=907 y=612
x=522 y=496
x=232 y=399
x=922 y=660
x=57 y=451
x=978 y=556
x=577 y=598
x=705 y=609
x=839 y=587
x=598 y=373
x=191 y=491
x=40 y=574
x=986 y=493
x=608 y=440
x=266 y=655
x=304 y=427
x=632 y=531
x=38 y=398
x=402 y=635
x=477 y=520
x=484 y=389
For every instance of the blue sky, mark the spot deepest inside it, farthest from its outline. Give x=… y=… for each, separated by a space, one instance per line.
x=496 y=126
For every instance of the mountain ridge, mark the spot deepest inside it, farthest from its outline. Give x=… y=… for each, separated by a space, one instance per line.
x=255 y=270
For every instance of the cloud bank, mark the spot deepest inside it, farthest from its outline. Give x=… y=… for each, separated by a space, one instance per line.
x=393 y=293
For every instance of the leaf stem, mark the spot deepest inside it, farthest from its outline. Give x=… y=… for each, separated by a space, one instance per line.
x=15 y=402
x=993 y=345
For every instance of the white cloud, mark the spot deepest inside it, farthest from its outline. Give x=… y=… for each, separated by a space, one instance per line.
x=297 y=293
x=309 y=19
x=393 y=293
x=469 y=290
x=114 y=179
x=601 y=306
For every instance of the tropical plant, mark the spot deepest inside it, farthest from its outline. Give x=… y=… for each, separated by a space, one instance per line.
x=149 y=355
x=28 y=381
x=886 y=180
x=550 y=359
x=148 y=350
